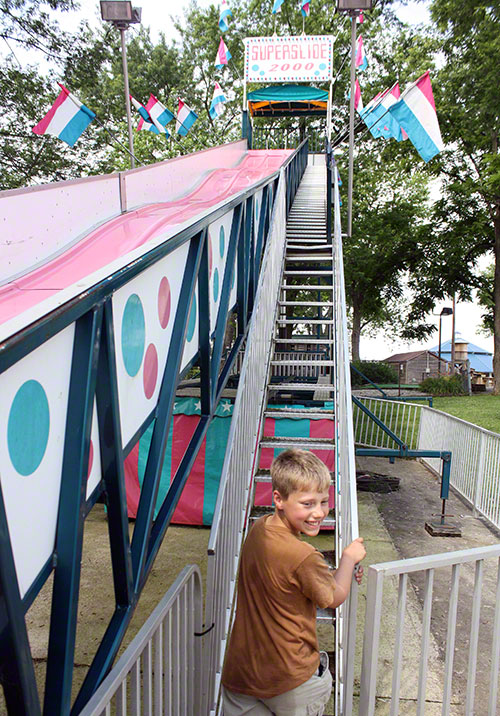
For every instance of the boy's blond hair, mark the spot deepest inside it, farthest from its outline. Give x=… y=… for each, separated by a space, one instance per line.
x=299 y=471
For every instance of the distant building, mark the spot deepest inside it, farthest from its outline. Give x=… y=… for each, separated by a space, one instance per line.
x=416 y=366
x=481 y=360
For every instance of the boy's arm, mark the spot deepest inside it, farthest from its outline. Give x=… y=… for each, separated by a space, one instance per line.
x=351 y=556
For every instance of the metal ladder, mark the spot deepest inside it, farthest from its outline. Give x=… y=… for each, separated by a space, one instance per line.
x=306 y=321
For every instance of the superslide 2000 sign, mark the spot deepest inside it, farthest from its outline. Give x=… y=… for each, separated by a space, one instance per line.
x=288 y=59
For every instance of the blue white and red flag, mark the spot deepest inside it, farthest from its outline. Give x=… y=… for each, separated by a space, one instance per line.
x=217 y=105
x=358 y=101
x=223 y=55
x=186 y=117
x=361 y=61
x=224 y=13
x=67 y=119
x=304 y=8
x=277 y=6
x=416 y=113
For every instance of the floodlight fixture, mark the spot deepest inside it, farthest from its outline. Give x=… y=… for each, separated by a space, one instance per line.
x=120 y=12
x=353 y=5
x=446 y=311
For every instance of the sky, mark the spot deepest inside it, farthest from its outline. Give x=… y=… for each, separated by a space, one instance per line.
x=156 y=15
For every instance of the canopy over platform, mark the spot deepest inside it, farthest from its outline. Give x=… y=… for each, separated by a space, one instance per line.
x=288 y=101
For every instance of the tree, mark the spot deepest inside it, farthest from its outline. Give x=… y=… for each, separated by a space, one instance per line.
x=469 y=115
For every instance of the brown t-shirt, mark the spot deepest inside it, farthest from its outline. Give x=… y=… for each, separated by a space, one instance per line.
x=273 y=646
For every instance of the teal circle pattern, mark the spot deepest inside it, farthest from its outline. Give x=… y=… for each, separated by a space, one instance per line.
x=322 y=66
x=133 y=335
x=28 y=427
x=222 y=242
x=255 y=68
x=216 y=285
x=192 y=321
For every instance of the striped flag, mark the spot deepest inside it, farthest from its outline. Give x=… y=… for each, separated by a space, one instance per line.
x=223 y=55
x=361 y=61
x=217 y=106
x=67 y=119
x=225 y=12
x=304 y=8
x=358 y=101
x=277 y=6
x=416 y=113
x=186 y=117
x=159 y=114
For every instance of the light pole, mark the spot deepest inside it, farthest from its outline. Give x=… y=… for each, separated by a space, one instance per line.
x=353 y=8
x=121 y=14
x=446 y=311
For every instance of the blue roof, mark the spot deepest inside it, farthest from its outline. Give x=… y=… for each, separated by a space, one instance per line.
x=480 y=359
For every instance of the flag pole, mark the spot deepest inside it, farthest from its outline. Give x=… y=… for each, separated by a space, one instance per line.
x=132 y=156
x=354 y=17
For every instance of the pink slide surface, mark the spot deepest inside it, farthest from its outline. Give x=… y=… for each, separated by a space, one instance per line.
x=131 y=230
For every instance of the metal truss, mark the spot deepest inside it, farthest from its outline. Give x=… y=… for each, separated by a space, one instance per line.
x=94 y=379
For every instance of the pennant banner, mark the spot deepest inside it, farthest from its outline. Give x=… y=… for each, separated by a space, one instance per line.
x=361 y=61
x=416 y=113
x=224 y=13
x=217 y=106
x=223 y=55
x=186 y=117
x=67 y=119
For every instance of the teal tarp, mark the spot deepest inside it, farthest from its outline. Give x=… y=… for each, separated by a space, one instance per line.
x=288 y=93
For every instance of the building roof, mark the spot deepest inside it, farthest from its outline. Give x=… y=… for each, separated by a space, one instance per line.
x=480 y=359
x=404 y=357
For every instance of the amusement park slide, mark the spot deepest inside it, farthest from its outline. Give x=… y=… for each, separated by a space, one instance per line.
x=54 y=254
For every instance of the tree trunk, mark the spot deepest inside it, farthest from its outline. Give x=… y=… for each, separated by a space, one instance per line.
x=496 y=305
x=356 y=333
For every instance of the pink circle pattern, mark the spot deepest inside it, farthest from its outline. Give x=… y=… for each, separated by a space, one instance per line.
x=91 y=459
x=164 y=300
x=150 y=374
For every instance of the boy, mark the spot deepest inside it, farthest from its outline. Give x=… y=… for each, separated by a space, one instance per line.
x=273 y=664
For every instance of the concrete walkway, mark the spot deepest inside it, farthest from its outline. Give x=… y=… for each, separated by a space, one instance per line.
x=393 y=527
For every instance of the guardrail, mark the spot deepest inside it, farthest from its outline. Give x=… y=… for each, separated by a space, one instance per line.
x=464 y=630
x=346 y=505
x=475 y=468
x=403 y=419
x=232 y=500
x=160 y=671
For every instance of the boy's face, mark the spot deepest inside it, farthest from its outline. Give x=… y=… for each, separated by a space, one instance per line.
x=302 y=511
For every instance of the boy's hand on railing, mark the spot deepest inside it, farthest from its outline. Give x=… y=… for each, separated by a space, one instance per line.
x=356 y=550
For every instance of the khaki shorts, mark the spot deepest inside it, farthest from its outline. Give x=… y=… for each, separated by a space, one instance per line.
x=308 y=699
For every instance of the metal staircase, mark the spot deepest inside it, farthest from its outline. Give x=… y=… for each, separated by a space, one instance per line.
x=304 y=325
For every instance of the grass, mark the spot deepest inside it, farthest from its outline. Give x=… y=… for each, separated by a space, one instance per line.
x=482 y=410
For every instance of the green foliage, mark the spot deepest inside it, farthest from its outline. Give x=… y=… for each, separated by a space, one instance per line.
x=378 y=372
x=482 y=409
x=443 y=385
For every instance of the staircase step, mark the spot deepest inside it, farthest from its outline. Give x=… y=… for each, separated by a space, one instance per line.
x=300 y=414
x=301 y=443
x=297 y=272
x=310 y=387
x=306 y=340
x=321 y=304
x=306 y=257
x=305 y=287
x=304 y=363
x=304 y=319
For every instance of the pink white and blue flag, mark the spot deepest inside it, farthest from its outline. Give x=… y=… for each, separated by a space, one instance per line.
x=159 y=114
x=358 y=101
x=224 y=13
x=146 y=124
x=67 y=119
x=217 y=105
x=186 y=117
x=378 y=118
x=223 y=55
x=304 y=8
x=416 y=113
x=361 y=61
x=277 y=6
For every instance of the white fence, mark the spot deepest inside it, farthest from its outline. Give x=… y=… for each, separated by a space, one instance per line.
x=346 y=505
x=160 y=671
x=475 y=452
x=232 y=500
x=475 y=459
x=471 y=616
